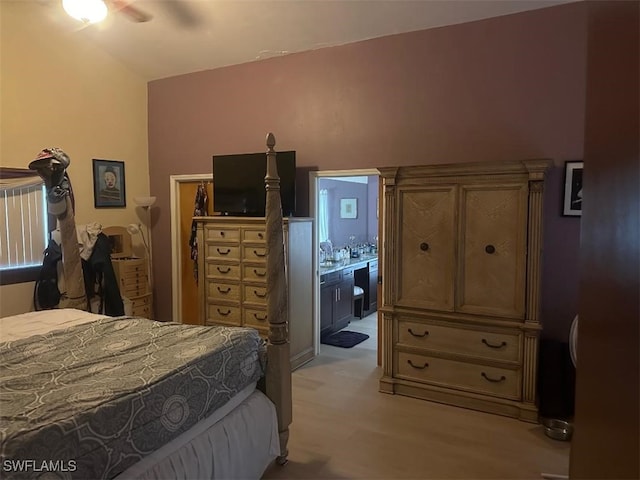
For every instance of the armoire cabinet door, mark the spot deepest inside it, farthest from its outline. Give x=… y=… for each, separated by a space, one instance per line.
x=426 y=244
x=492 y=258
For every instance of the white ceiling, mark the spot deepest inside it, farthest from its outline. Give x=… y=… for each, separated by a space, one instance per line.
x=185 y=36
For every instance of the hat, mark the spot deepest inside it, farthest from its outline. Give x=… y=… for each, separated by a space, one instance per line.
x=48 y=156
x=110 y=169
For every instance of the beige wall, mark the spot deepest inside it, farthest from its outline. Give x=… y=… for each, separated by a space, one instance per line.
x=57 y=89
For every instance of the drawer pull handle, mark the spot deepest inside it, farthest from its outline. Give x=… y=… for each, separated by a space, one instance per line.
x=494 y=380
x=222 y=234
x=223 y=313
x=224 y=270
x=424 y=246
x=260 y=235
x=425 y=334
x=426 y=364
x=226 y=252
x=261 y=318
x=258 y=254
x=490 y=249
x=259 y=273
x=259 y=295
x=224 y=290
x=502 y=344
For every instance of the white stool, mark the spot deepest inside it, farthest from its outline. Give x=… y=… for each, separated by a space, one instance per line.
x=358 y=296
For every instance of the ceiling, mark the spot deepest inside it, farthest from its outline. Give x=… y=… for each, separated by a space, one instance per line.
x=185 y=36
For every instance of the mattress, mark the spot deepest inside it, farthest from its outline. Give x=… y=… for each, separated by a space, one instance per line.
x=98 y=396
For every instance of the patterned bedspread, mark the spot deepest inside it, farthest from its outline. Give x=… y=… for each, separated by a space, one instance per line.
x=90 y=400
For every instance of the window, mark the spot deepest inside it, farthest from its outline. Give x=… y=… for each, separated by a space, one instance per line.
x=23 y=213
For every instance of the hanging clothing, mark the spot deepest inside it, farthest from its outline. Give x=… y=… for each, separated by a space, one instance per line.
x=201 y=209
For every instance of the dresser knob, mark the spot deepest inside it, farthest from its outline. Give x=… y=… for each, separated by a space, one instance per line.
x=424 y=246
x=490 y=249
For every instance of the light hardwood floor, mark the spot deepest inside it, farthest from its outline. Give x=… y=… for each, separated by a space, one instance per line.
x=344 y=428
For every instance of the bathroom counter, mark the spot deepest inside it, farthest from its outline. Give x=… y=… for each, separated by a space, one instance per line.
x=351 y=263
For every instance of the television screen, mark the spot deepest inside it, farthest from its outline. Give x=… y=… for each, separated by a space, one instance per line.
x=238 y=183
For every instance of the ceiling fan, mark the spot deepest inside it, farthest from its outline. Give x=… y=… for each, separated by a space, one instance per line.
x=93 y=11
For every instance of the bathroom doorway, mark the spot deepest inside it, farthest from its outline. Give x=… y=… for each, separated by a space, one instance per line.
x=344 y=204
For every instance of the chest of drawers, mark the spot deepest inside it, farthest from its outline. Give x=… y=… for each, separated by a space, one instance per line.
x=133 y=282
x=233 y=277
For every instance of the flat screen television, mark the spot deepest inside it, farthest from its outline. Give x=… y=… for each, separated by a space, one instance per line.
x=238 y=183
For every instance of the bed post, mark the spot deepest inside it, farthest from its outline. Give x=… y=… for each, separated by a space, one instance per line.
x=278 y=382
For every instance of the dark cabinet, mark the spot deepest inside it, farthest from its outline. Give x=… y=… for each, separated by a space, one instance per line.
x=367 y=278
x=336 y=300
x=371 y=294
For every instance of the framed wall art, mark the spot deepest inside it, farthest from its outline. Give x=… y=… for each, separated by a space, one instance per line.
x=572 y=199
x=349 y=208
x=108 y=184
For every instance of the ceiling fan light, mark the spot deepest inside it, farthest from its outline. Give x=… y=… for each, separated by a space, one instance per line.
x=87 y=11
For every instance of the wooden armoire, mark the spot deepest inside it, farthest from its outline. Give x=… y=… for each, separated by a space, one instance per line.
x=461 y=253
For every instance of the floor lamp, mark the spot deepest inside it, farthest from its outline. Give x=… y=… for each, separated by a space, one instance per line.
x=145 y=203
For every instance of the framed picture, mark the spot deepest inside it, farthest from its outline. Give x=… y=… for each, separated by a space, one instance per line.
x=108 y=184
x=572 y=200
x=349 y=208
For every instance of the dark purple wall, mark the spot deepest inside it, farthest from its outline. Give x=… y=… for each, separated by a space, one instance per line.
x=506 y=88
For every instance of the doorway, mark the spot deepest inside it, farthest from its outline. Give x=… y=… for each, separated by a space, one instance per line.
x=184 y=284
x=344 y=204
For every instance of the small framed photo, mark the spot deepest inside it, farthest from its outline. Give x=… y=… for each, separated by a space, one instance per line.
x=572 y=200
x=108 y=184
x=349 y=208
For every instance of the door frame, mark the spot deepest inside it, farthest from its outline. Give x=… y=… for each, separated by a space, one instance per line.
x=176 y=244
x=313 y=212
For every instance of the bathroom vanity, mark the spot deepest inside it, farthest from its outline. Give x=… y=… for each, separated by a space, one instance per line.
x=337 y=280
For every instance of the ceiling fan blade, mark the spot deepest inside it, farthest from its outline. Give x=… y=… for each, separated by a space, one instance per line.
x=133 y=13
x=182 y=13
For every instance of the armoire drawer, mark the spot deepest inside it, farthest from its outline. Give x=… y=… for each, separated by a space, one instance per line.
x=499 y=382
x=503 y=346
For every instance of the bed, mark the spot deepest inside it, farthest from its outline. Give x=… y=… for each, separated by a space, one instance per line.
x=88 y=396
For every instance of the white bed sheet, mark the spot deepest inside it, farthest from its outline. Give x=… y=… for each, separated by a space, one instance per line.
x=238 y=441
x=38 y=323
